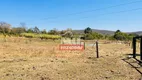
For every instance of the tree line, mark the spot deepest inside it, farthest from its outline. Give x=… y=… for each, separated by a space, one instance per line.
x=118 y=35
x=6 y=29
x=88 y=34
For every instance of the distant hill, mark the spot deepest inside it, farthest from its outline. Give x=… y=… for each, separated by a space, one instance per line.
x=95 y=30
x=105 y=32
x=138 y=32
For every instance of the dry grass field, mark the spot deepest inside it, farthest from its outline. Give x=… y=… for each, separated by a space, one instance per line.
x=22 y=59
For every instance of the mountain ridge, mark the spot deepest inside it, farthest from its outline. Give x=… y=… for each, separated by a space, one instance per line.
x=106 y=32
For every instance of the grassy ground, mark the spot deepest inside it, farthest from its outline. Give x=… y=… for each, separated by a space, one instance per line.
x=25 y=59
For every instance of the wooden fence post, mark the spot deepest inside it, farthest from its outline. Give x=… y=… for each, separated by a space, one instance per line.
x=84 y=45
x=134 y=47
x=141 y=49
x=97 y=49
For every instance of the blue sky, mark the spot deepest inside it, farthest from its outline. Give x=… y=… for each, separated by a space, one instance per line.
x=62 y=14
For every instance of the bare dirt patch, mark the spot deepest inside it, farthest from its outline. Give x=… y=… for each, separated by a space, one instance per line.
x=41 y=60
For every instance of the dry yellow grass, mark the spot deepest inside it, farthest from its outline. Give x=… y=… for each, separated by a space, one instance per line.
x=23 y=59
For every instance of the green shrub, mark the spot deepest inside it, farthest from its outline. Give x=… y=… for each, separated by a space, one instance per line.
x=41 y=36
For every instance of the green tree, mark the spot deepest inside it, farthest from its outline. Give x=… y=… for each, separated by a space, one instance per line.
x=88 y=30
x=106 y=36
x=53 y=32
x=44 y=31
x=30 y=30
x=93 y=35
x=117 y=31
x=89 y=37
x=130 y=36
x=97 y=35
x=120 y=35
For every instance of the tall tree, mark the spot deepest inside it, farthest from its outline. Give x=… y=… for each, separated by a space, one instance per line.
x=5 y=28
x=88 y=30
x=36 y=30
x=117 y=31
